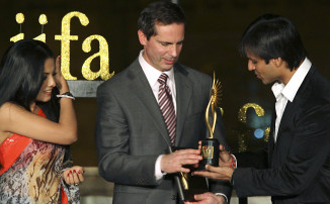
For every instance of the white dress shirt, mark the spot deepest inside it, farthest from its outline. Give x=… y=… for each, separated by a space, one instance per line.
x=152 y=75
x=284 y=93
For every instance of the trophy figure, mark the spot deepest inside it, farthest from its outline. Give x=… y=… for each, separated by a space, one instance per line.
x=210 y=145
x=189 y=185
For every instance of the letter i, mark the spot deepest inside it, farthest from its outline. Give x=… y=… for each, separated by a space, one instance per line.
x=42 y=21
x=20 y=20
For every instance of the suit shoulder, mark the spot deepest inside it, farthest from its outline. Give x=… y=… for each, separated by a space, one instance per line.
x=121 y=78
x=320 y=84
x=115 y=81
x=193 y=73
x=315 y=89
x=108 y=83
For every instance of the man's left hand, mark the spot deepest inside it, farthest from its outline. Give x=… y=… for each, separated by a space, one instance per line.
x=216 y=173
x=208 y=198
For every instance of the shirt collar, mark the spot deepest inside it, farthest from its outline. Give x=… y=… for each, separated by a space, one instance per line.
x=277 y=89
x=290 y=90
x=152 y=73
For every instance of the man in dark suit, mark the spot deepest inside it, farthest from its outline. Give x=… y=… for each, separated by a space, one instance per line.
x=297 y=157
x=132 y=135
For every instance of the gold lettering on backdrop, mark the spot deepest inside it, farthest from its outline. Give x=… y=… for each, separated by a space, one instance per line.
x=42 y=21
x=242 y=137
x=104 y=59
x=65 y=39
x=242 y=111
x=20 y=20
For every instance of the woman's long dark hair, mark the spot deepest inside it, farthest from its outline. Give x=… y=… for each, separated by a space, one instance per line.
x=22 y=72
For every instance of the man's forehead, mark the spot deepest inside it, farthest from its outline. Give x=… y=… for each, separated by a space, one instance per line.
x=251 y=55
x=168 y=33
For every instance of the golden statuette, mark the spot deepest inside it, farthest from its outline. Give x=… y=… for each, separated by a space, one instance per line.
x=214 y=103
x=210 y=145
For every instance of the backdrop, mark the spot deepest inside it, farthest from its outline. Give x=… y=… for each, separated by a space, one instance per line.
x=213 y=33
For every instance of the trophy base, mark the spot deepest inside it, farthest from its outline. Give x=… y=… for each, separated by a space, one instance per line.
x=196 y=185
x=189 y=185
x=210 y=153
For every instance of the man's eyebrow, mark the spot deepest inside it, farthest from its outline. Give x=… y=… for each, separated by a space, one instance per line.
x=161 y=41
x=167 y=42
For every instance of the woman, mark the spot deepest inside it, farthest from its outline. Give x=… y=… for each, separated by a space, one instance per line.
x=33 y=147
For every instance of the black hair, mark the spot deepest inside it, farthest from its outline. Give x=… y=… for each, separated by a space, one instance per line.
x=271 y=36
x=22 y=72
x=164 y=12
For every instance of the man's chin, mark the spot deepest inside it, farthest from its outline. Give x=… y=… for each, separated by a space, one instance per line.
x=167 y=67
x=266 y=82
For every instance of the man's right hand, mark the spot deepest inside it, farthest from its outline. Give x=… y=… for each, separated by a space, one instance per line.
x=174 y=162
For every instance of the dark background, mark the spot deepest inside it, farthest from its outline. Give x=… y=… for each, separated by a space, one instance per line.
x=213 y=33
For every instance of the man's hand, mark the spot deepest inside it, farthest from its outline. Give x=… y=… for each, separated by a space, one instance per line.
x=217 y=173
x=208 y=198
x=174 y=162
x=225 y=158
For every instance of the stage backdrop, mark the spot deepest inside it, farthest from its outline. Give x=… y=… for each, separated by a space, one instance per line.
x=213 y=33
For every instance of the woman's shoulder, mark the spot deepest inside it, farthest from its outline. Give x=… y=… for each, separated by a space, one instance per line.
x=10 y=107
x=10 y=111
x=7 y=111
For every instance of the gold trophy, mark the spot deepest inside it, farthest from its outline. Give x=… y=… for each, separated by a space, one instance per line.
x=210 y=145
x=188 y=185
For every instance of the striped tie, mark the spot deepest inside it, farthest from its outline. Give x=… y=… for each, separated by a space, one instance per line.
x=166 y=106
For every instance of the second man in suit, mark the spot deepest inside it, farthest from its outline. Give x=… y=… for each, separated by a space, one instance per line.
x=295 y=165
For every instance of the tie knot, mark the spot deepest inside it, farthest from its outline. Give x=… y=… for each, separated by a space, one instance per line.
x=162 y=79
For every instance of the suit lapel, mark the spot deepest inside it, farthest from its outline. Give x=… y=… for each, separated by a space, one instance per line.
x=271 y=136
x=141 y=88
x=286 y=118
x=300 y=98
x=183 y=95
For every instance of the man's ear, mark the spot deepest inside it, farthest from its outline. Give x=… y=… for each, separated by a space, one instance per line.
x=142 y=37
x=278 y=61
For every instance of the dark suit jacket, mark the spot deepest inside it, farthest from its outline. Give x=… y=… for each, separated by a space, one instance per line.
x=131 y=132
x=299 y=162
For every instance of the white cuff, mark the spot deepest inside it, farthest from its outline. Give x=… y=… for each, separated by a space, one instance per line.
x=221 y=194
x=158 y=172
x=235 y=161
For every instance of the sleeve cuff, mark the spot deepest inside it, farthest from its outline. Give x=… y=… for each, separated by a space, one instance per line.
x=158 y=172
x=223 y=195
x=234 y=162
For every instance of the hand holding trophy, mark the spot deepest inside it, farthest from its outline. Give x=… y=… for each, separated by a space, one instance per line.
x=210 y=145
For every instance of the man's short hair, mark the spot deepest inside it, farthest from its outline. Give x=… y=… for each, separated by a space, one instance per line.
x=163 y=12
x=271 y=36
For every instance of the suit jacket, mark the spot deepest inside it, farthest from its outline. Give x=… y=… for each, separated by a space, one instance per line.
x=299 y=162
x=131 y=132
